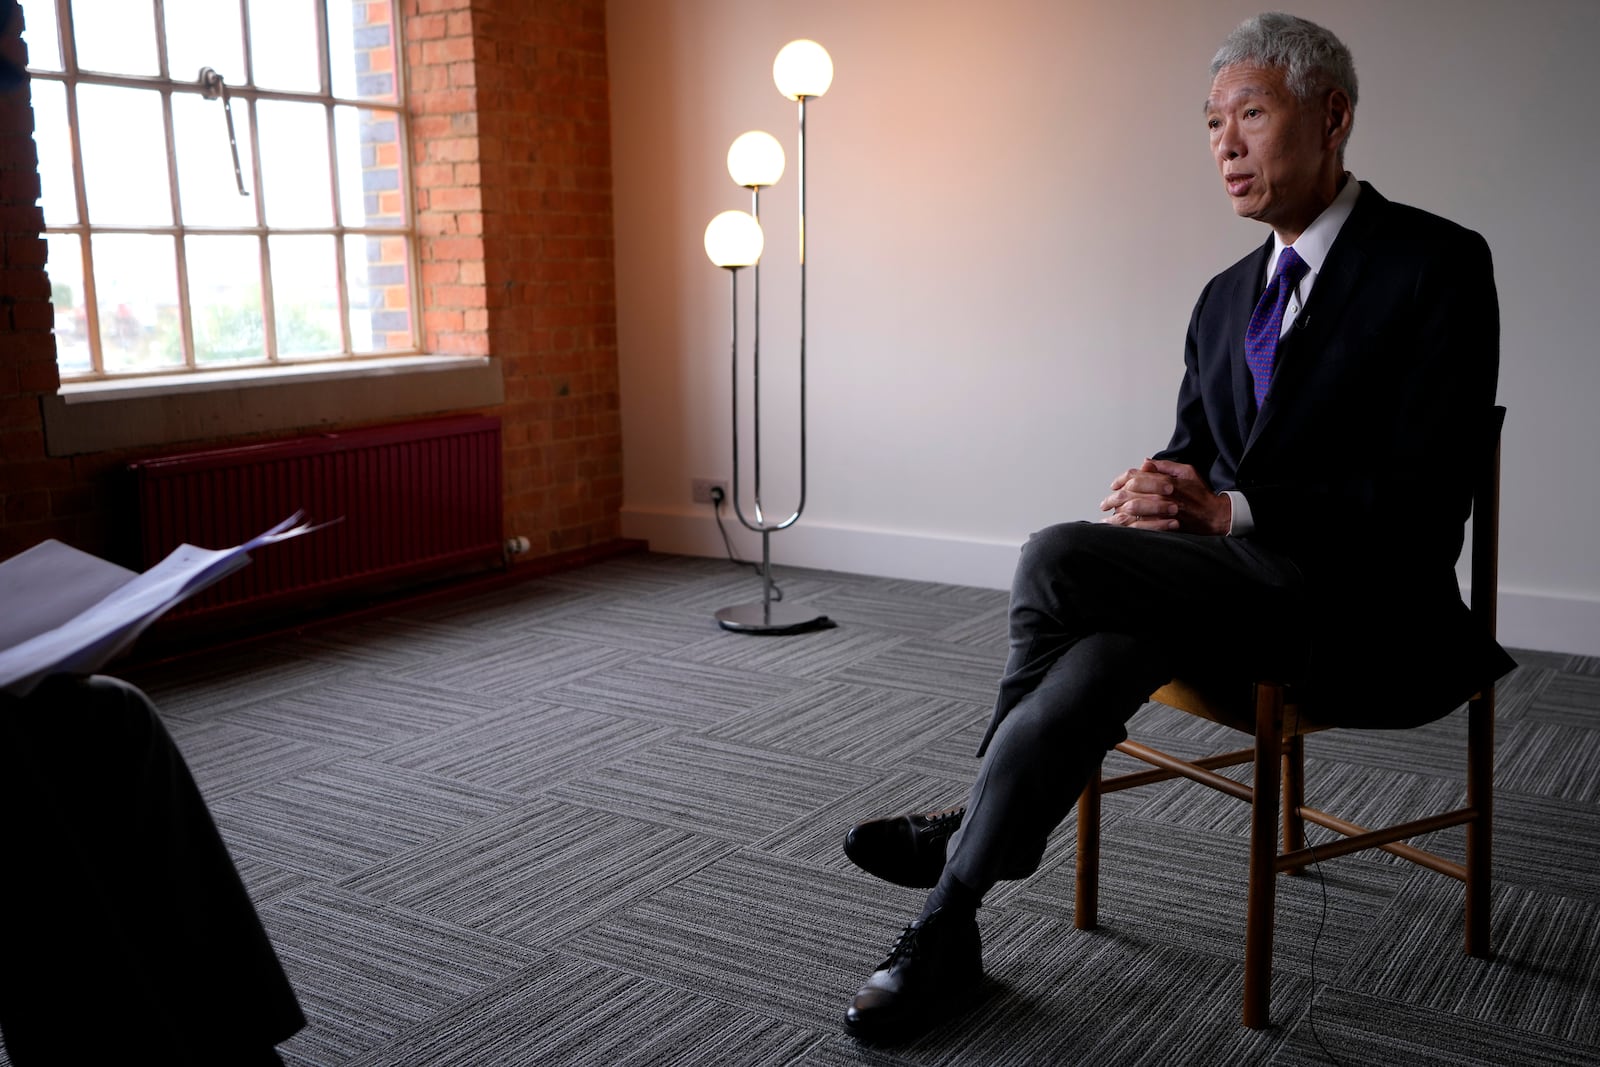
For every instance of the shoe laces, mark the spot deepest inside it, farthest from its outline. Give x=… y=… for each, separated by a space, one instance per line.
x=945 y=822
x=905 y=946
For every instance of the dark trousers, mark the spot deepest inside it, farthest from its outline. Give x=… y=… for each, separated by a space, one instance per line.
x=125 y=932
x=1100 y=617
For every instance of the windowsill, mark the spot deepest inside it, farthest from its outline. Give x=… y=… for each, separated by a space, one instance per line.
x=214 y=406
x=247 y=377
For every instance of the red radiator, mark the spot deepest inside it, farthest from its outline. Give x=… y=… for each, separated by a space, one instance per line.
x=417 y=500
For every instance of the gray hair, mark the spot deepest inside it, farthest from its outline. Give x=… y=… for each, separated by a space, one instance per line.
x=1312 y=59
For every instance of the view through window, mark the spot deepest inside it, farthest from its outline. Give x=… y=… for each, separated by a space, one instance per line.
x=224 y=182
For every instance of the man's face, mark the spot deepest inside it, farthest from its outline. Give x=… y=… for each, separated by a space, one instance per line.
x=1275 y=162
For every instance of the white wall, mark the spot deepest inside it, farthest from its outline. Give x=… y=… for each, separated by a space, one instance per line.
x=1011 y=209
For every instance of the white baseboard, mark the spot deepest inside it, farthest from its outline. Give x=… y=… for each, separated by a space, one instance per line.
x=1549 y=623
x=883 y=553
x=1527 y=620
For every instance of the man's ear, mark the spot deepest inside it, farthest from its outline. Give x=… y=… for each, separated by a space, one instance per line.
x=1337 y=117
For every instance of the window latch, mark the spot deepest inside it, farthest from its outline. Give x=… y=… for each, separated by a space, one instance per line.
x=211 y=87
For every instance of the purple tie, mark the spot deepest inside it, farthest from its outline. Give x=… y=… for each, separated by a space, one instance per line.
x=1266 y=322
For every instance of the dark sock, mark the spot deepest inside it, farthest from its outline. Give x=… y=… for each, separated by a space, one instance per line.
x=954 y=896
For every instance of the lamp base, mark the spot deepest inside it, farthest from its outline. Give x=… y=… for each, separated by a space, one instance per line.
x=772 y=618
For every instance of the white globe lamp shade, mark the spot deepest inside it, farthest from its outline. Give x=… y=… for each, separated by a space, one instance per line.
x=802 y=69
x=734 y=239
x=755 y=159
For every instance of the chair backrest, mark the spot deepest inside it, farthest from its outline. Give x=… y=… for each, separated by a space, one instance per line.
x=1485 y=564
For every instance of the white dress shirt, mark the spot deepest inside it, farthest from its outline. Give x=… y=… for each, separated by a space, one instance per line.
x=1312 y=247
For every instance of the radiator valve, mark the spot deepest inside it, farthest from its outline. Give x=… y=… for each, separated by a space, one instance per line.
x=516 y=546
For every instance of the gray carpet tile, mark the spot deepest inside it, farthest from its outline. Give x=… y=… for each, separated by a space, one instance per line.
x=773 y=935
x=1550 y=759
x=1415 y=957
x=361 y=712
x=985 y=630
x=564 y=1012
x=639 y=576
x=713 y=787
x=852 y=723
x=1562 y=662
x=803 y=655
x=1354 y=1028
x=1438 y=749
x=572 y=821
x=953 y=755
x=1190 y=886
x=340 y=817
x=200 y=690
x=904 y=607
x=537 y=873
x=731 y=586
x=523 y=749
x=1516 y=692
x=364 y=973
x=226 y=758
x=519 y=666
x=1547 y=844
x=384 y=643
x=942 y=594
x=1570 y=699
x=630 y=625
x=266 y=883
x=511 y=609
x=665 y=691
x=935 y=668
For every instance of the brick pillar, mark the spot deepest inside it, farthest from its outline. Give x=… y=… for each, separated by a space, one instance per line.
x=445 y=174
x=544 y=123
x=383 y=200
x=38 y=498
x=512 y=167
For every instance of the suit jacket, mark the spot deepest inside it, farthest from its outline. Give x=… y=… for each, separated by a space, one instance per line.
x=1358 y=465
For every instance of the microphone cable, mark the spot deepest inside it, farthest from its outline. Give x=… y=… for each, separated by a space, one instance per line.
x=1322 y=921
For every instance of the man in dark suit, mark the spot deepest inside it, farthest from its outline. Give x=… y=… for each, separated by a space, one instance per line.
x=1302 y=524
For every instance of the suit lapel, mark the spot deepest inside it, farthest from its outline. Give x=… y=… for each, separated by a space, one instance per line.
x=1319 y=319
x=1243 y=306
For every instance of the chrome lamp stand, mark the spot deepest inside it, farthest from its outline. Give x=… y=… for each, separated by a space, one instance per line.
x=734 y=240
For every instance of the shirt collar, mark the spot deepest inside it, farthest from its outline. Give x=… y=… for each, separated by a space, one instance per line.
x=1312 y=246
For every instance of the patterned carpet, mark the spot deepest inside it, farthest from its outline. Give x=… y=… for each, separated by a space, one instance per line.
x=573 y=822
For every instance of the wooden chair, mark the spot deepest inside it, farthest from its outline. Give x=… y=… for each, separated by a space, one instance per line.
x=1280 y=746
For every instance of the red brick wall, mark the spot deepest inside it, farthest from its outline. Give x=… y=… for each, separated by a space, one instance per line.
x=511 y=174
x=39 y=496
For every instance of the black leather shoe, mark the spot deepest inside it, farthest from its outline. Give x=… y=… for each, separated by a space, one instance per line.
x=907 y=850
x=935 y=965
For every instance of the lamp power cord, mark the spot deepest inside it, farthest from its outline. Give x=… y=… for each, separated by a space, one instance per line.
x=717 y=500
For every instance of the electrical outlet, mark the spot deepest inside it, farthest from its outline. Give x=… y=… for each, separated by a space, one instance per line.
x=700 y=489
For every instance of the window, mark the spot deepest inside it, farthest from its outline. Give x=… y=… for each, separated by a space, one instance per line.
x=224 y=183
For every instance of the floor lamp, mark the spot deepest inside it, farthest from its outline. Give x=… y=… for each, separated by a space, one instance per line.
x=734 y=240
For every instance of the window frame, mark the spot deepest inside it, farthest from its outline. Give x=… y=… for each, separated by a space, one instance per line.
x=272 y=363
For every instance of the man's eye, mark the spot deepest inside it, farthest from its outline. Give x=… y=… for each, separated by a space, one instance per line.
x=1251 y=112
x=1212 y=124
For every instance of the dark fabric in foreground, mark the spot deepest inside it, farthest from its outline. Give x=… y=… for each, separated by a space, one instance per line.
x=125 y=931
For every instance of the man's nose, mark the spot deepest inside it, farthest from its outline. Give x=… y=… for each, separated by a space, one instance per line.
x=1229 y=146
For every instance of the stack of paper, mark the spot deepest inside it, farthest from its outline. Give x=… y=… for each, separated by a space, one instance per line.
x=63 y=611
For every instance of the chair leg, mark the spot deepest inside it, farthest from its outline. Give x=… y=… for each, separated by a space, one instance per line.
x=1480 y=795
x=1086 y=899
x=1294 y=796
x=1263 y=857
